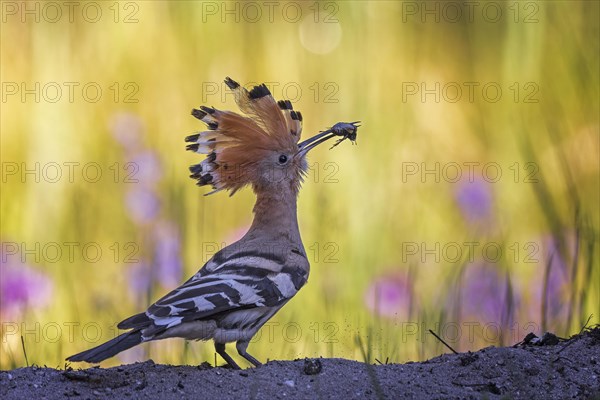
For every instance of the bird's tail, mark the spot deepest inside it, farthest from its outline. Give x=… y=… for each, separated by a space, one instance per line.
x=110 y=348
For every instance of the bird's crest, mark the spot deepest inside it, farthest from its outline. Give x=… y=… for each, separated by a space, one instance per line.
x=233 y=143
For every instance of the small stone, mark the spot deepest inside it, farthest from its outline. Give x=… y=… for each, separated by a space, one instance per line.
x=468 y=358
x=205 y=365
x=549 y=339
x=140 y=385
x=290 y=383
x=312 y=367
x=71 y=393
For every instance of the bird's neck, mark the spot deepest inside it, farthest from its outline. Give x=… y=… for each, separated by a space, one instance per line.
x=275 y=215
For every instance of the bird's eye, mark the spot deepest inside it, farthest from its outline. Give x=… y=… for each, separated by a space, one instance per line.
x=283 y=159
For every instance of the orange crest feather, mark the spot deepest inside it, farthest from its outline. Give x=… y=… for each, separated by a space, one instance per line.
x=235 y=142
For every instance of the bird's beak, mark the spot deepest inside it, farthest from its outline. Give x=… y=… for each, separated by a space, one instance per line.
x=345 y=129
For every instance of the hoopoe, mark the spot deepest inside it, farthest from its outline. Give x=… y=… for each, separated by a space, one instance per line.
x=243 y=285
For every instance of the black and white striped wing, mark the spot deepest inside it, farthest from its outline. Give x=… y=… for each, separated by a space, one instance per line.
x=209 y=296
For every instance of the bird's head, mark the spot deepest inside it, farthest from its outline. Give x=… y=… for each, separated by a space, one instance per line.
x=260 y=148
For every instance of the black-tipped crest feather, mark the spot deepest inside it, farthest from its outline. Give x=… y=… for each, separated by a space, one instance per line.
x=231 y=83
x=192 y=138
x=192 y=147
x=198 y=113
x=259 y=91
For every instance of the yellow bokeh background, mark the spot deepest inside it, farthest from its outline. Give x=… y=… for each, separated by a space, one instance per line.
x=507 y=90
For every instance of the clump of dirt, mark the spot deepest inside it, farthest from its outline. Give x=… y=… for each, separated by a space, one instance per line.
x=533 y=370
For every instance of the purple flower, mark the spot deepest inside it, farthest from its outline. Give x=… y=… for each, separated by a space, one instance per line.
x=390 y=296
x=556 y=287
x=22 y=287
x=167 y=254
x=139 y=277
x=474 y=200
x=127 y=130
x=148 y=169
x=143 y=204
x=484 y=294
x=553 y=263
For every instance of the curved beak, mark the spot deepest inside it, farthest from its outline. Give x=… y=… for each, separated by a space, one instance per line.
x=347 y=130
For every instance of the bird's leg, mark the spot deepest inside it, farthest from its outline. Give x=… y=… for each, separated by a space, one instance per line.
x=220 y=348
x=241 y=347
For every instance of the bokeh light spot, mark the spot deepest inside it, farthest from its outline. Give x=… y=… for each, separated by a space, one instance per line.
x=319 y=37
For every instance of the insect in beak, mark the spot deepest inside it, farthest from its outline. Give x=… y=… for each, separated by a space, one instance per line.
x=347 y=130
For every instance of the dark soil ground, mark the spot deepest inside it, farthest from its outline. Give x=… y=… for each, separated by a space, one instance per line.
x=565 y=370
